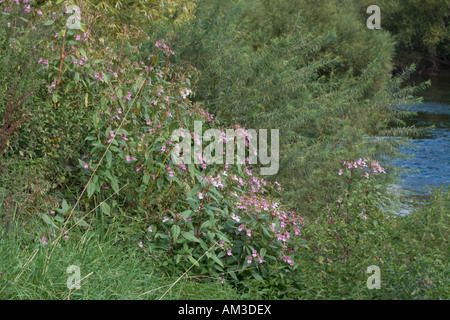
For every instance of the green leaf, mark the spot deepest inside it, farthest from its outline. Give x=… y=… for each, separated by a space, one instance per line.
x=59 y=218
x=106 y=209
x=187 y=213
x=217 y=260
x=65 y=207
x=90 y=188
x=48 y=220
x=203 y=244
x=175 y=231
x=263 y=252
x=189 y=236
x=49 y=23
x=192 y=203
x=83 y=53
x=257 y=276
x=192 y=260
x=82 y=223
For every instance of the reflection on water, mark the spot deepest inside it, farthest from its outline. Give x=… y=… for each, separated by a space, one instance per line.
x=431 y=161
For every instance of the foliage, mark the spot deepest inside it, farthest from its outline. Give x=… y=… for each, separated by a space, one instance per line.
x=420 y=29
x=327 y=87
x=90 y=178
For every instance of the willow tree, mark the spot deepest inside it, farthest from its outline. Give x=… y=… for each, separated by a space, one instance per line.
x=312 y=70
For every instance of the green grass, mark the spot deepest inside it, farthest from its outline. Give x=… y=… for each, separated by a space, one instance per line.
x=111 y=271
x=112 y=268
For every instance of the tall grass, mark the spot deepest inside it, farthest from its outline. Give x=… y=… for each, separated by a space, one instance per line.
x=109 y=269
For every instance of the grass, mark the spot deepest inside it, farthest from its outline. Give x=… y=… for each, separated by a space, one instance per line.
x=108 y=271
x=111 y=268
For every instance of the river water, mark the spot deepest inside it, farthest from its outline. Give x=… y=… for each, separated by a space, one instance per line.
x=431 y=161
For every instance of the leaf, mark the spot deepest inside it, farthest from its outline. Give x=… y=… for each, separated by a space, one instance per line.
x=65 y=207
x=192 y=260
x=106 y=209
x=186 y=213
x=263 y=252
x=203 y=244
x=59 y=218
x=257 y=276
x=48 y=220
x=49 y=23
x=90 y=188
x=108 y=157
x=217 y=260
x=83 y=53
x=175 y=231
x=190 y=236
x=146 y=178
x=192 y=203
x=232 y=273
x=82 y=223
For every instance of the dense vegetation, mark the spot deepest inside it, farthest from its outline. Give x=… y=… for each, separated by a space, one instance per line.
x=87 y=179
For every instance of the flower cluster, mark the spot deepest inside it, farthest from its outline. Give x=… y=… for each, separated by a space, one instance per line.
x=361 y=164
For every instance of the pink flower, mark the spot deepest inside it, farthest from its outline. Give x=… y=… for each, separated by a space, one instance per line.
x=229 y=252
x=249 y=259
x=44 y=241
x=249 y=233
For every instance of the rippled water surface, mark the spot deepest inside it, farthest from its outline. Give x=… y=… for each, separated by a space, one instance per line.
x=431 y=152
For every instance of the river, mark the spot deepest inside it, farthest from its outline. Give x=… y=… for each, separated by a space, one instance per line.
x=431 y=161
